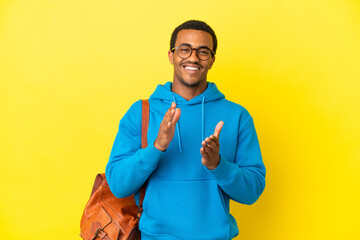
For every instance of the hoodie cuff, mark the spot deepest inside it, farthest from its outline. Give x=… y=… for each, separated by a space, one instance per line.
x=224 y=172
x=150 y=156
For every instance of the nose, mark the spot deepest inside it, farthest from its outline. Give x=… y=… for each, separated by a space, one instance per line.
x=193 y=56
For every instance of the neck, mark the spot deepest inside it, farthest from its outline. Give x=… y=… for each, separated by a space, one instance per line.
x=188 y=92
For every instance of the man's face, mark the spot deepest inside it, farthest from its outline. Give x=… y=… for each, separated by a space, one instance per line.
x=191 y=71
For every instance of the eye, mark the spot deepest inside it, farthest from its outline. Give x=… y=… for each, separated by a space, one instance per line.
x=184 y=50
x=204 y=51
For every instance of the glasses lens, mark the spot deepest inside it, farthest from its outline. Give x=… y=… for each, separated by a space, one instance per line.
x=184 y=51
x=204 y=53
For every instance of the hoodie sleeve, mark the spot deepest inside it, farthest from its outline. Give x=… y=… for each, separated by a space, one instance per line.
x=129 y=165
x=244 y=179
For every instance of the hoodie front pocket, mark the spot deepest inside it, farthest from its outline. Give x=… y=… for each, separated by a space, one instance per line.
x=185 y=209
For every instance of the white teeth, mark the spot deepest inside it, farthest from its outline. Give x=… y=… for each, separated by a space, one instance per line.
x=191 y=68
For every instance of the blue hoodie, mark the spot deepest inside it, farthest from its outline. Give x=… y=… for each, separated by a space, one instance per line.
x=184 y=199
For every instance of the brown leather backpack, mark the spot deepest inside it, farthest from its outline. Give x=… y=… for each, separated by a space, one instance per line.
x=108 y=217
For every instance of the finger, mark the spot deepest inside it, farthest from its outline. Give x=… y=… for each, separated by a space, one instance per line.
x=211 y=144
x=168 y=119
x=176 y=116
x=173 y=105
x=170 y=113
x=207 y=148
x=218 y=129
x=215 y=140
x=166 y=122
x=167 y=113
x=204 y=154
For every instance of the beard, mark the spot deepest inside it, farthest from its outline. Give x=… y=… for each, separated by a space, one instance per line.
x=189 y=84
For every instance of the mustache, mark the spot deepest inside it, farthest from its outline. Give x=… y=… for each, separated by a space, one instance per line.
x=192 y=63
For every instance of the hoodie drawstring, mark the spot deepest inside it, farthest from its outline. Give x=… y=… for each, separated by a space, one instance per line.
x=177 y=130
x=202 y=119
x=202 y=123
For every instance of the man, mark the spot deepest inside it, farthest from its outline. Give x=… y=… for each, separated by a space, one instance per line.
x=203 y=149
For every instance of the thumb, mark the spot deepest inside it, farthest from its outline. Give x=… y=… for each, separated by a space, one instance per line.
x=218 y=129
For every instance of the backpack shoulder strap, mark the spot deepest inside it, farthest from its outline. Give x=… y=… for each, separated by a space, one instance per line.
x=144 y=130
x=144 y=123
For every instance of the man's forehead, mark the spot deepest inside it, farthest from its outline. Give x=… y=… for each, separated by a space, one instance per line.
x=195 y=38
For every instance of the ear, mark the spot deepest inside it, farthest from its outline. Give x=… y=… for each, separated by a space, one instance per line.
x=212 y=62
x=171 y=57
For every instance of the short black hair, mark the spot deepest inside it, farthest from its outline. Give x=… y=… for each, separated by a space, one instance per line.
x=196 y=25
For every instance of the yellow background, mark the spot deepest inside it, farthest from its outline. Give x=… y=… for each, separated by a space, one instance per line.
x=69 y=70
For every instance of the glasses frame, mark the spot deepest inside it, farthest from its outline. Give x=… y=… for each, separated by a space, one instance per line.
x=197 y=51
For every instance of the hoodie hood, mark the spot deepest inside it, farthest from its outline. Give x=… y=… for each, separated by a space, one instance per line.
x=164 y=93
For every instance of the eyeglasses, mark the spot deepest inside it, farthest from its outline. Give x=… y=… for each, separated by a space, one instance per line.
x=185 y=51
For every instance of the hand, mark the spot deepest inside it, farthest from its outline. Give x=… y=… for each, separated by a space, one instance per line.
x=167 y=127
x=210 y=149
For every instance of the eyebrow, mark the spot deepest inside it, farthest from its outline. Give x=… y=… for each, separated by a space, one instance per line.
x=203 y=46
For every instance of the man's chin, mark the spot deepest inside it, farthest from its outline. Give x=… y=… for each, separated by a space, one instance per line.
x=190 y=84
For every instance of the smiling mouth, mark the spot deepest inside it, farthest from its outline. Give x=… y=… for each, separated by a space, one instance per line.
x=192 y=69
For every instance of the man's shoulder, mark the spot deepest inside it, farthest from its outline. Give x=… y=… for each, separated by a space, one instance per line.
x=134 y=111
x=136 y=106
x=233 y=106
x=236 y=111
